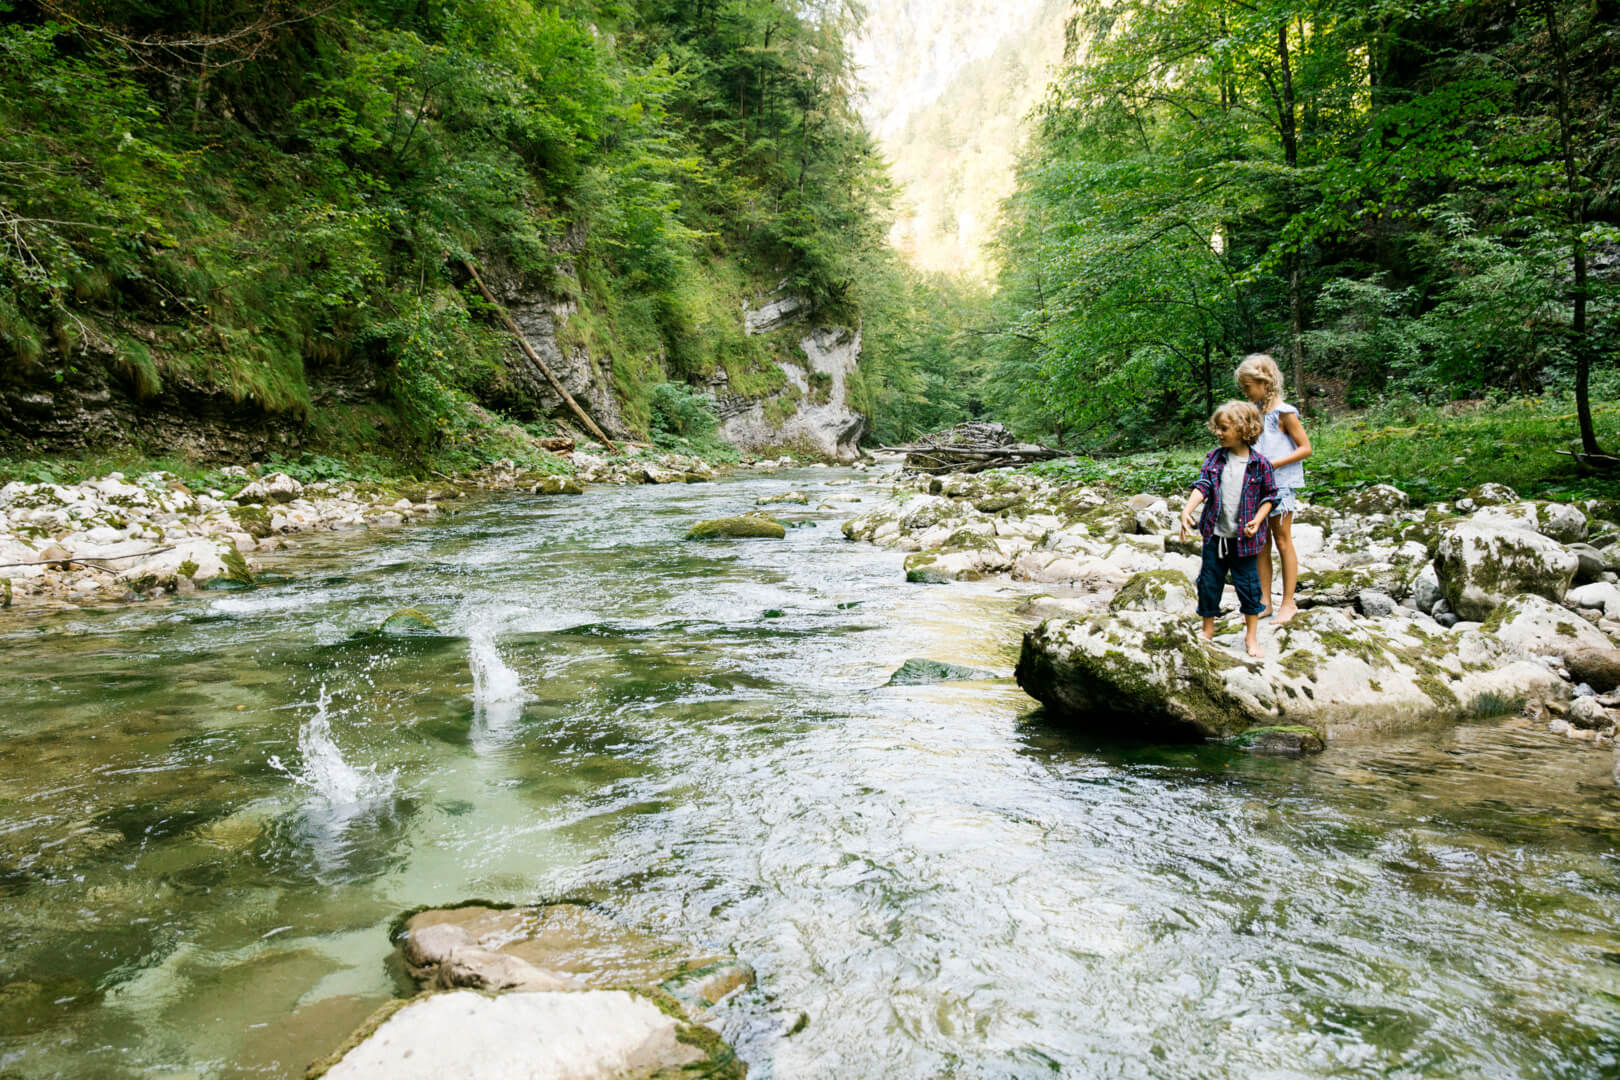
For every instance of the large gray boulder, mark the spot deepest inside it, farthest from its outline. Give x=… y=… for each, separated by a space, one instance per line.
x=1481 y=566
x=1149 y=673
x=275 y=488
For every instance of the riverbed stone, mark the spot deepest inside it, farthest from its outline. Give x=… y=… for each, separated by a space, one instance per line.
x=1150 y=673
x=1341 y=587
x=1597 y=667
x=275 y=488
x=1540 y=627
x=1481 y=566
x=479 y=968
x=408 y=622
x=1600 y=594
x=737 y=528
x=588 y=1035
x=1375 y=604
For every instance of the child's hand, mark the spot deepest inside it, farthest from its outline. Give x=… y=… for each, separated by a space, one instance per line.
x=1186 y=523
x=1252 y=527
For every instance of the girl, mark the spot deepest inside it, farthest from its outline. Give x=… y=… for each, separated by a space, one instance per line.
x=1285 y=444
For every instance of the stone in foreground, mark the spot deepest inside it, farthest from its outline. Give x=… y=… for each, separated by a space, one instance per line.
x=535 y=1036
x=1150 y=674
x=738 y=528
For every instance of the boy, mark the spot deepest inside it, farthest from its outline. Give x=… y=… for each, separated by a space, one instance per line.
x=1237 y=490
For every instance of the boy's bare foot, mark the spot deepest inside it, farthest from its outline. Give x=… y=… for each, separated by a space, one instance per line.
x=1207 y=634
x=1254 y=649
x=1285 y=614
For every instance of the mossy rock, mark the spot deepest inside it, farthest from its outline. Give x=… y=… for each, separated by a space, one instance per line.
x=994 y=504
x=236 y=567
x=556 y=485
x=968 y=540
x=5 y=592
x=254 y=520
x=921 y=672
x=408 y=622
x=1280 y=739
x=738 y=528
x=785 y=497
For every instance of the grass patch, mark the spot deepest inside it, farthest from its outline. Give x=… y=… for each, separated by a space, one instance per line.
x=1430 y=453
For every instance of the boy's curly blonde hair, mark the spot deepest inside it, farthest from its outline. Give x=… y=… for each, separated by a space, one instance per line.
x=1261 y=370
x=1241 y=417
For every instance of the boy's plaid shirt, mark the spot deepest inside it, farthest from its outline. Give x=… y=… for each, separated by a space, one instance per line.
x=1259 y=486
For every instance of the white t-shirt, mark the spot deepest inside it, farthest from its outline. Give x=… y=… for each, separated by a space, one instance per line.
x=1226 y=522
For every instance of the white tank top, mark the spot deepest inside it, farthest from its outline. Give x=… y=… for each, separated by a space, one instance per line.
x=1275 y=443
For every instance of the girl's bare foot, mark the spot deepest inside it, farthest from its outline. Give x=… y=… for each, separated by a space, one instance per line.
x=1285 y=613
x=1254 y=648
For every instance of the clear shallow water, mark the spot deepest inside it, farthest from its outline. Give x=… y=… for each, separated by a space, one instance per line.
x=211 y=811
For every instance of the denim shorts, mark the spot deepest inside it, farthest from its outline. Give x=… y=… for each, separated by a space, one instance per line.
x=1285 y=501
x=1219 y=560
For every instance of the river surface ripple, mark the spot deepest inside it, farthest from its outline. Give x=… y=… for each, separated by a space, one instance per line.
x=212 y=810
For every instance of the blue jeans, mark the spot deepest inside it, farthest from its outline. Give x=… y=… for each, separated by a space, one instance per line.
x=1221 y=558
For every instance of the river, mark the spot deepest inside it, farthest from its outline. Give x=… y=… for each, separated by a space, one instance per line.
x=214 y=808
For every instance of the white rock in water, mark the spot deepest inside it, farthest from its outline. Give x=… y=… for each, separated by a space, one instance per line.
x=198 y=556
x=526 y=1036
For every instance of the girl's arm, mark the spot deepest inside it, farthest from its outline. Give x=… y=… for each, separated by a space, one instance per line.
x=1302 y=442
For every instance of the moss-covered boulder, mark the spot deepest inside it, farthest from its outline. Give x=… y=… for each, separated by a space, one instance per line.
x=1150 y=673
x=253 y=520
x=556 y=485
x=920 y=672
x=1377 y=499
x=1157 y=590
x=1482 y=566
x=737 y=528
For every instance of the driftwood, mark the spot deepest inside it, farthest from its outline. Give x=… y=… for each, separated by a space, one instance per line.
x=539 y=363
x=969 y=448
x=94 y=561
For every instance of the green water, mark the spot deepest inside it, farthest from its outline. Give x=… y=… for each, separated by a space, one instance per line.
x=212 y=809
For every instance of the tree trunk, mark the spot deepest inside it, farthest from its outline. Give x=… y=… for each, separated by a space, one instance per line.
x=1575 y=217
x=1290 y=141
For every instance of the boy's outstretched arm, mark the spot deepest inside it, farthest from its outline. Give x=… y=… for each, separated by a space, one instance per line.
x=1194 y=501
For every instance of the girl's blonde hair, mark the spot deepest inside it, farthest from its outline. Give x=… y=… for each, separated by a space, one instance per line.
x=1240 y=416
x=1261 y=370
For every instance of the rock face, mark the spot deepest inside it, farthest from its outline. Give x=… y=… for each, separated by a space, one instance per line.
x=1481 y=566
x=606 y=1034
x=1149 y=673
x=1541 y=628
x=821 y=423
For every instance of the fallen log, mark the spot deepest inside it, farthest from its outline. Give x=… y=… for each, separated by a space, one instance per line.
x=539 y=363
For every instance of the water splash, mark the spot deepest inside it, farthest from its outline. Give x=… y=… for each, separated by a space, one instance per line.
x=498 y=693
x=324 y=770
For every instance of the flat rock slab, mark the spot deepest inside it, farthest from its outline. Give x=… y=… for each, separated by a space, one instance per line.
x=539 y=1036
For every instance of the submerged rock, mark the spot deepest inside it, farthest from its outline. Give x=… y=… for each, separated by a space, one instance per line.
x=738 y=528
x=1149 y=673
x=920 y=672
x=407 y=622
x=1282 y=740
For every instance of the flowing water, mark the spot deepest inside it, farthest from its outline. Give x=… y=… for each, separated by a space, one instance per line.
x=213 y=809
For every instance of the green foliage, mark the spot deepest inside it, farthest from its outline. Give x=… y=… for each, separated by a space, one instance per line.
x=1409 y=194
x=294 y=205
x=684 y=421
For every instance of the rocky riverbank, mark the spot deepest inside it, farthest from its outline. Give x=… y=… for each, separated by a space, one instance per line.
x=123 y=538
x=1411 y=616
